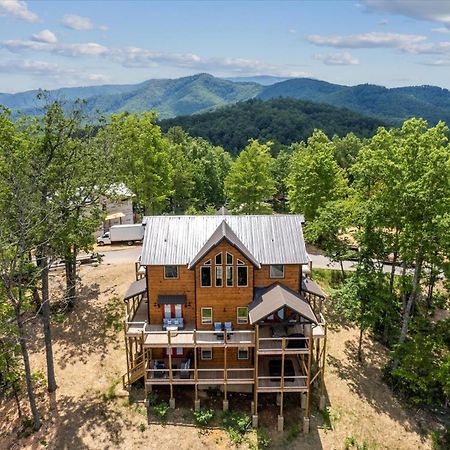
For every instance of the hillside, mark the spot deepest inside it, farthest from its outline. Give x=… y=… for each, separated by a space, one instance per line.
x=280 y=120
x=169 y=98
x=394 y=105
x=202 y=92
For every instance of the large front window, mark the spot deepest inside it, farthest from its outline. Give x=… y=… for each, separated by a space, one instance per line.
x=242 y=276
x=206 y=276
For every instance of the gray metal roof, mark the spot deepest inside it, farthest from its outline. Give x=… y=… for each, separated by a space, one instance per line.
x=136 y=288
x=223 y=231
x=311 y=287
x=176 y=240
x=276 y=296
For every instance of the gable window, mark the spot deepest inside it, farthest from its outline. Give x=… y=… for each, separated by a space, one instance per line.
x=170 y=272
x=207 y=263
x=240 y=263
x=205 y=275
x=218 y=259
x=242 y=315
x=242 y=276
x=206 y=316
x=242 y=353
x=277 y=271
x=229 y=259
x=207 y=353
x=229 y=276
x=219 y=276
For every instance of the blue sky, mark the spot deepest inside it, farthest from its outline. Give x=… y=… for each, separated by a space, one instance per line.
x=50 y=44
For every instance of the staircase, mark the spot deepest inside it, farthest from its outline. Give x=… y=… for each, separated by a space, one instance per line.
x=137 y=371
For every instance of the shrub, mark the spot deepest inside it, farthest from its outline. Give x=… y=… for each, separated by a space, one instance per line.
x=152 y=398
x=440 y=440
x=203 y=417
x=236 y=425
x=161 y=410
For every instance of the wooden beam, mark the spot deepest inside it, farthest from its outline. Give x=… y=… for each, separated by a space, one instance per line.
x=308 y=375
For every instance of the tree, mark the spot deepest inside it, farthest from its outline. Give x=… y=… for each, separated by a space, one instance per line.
x=315 y=178
x=18 y=200
x=141 y=156
x=249 y=184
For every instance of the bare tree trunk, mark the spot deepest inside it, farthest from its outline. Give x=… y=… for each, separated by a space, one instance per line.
x=26 y=363
x=342 y=269
x=71 y=277
x=403 y=290
x=360 y=345
x=45 y=317
x=392 y=277
x=431 y=283
x=412 y=297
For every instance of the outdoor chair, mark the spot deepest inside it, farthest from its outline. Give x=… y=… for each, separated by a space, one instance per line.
x=218 y=329
x=228 y=329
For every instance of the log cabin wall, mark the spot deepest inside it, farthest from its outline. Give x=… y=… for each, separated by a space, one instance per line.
x=291 y=279
x=224 y=300
x=158 y=285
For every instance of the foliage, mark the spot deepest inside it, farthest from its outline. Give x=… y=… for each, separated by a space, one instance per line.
x=263 y=439
x=236 y=425
x=292 y=432
x=280 y=120
x=161 y=411
x=351 y=442
x=152 y=398
x=315 y=178
x=440 y=440
x=203 y=417
x=249 y=183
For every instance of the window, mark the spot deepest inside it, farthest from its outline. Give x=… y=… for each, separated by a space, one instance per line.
x=229 y=259
x=207 y=263
x=242 y=353
x=240 y=263
x=277 y=271
x=242 y=314
x=206 y=276
x=206 y=353
x=219 y=276
x=207 y=316
x=218 y=259
x=170 y=272
x=229 y=276
x=242 y=275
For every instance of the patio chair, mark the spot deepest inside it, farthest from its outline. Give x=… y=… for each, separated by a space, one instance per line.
x=218 y=329
x=160 y=373
x=228 y=329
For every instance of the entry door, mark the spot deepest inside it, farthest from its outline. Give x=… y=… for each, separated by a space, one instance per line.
x=172 y=312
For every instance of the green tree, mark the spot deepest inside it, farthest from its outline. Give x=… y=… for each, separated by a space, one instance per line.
x=315 y=178
x=250 y=183
x=141 y=156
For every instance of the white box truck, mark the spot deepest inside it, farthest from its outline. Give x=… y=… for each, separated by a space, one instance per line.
x=122 y=233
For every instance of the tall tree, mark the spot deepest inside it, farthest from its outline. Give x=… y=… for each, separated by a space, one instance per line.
x=315 y=178
x=142 y=159
x=249 y=183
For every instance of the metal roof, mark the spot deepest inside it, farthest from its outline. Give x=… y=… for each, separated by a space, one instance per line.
x=136 y=288
x=172 y=299
x=222 y=211
x=311 y=287
x=223 y=231
x=176 y=240
x=276 y=296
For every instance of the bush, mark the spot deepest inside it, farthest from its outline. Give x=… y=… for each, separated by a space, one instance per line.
x=161 y=410
x=440 y=440
x=236 y=425
x=203 y=417
x=152 y=398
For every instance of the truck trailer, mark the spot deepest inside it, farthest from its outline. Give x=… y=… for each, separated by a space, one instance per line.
x=122 y=233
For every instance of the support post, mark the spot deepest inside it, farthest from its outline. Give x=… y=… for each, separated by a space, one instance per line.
x=225 y=375
x=322 y=402
x=126 y=352
x=308 y=377
x=144 y=359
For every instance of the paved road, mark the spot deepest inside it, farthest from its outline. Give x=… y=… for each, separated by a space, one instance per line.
x=125 y=254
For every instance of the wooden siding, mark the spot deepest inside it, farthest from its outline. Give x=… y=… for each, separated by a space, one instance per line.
x=224 y=300
x=292 y=277
x=158 y=285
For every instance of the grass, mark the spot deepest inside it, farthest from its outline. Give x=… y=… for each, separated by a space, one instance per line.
x=328 y=279
x=161 y=411
x=113 y=316
x=235 y=425
x=110 y=393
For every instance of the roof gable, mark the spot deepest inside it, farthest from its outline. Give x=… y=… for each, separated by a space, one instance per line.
x=270 y=239
x=223 y=232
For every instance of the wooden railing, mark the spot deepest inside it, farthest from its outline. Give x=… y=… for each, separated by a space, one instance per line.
x=272 y=345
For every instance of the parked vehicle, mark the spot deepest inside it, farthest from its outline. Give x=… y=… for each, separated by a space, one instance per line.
x=122 y=233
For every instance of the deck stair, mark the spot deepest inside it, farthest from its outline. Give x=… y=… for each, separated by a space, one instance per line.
x=137 y=371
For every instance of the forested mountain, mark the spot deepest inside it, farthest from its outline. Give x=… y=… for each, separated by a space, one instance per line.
x=203 y=92
x=281 y=120
x=393 y=105
x=169 y=98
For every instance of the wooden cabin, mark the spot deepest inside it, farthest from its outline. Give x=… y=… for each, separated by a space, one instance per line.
x=223 y=301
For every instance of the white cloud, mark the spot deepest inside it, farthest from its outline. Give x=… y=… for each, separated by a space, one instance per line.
x=66 y=75
x=337 y=59
x=17 y=9
x=79 y=23
x=430 y=10
x=367 y=40
x=45 y=36
x=437 y=62
x=292 y=31
x=442 y=30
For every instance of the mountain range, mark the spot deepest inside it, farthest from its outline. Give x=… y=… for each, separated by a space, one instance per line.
x=203 y=92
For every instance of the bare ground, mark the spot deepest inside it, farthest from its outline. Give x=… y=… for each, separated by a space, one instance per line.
x=89 y=410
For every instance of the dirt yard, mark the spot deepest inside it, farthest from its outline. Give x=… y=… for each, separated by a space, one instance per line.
x=90 y=411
